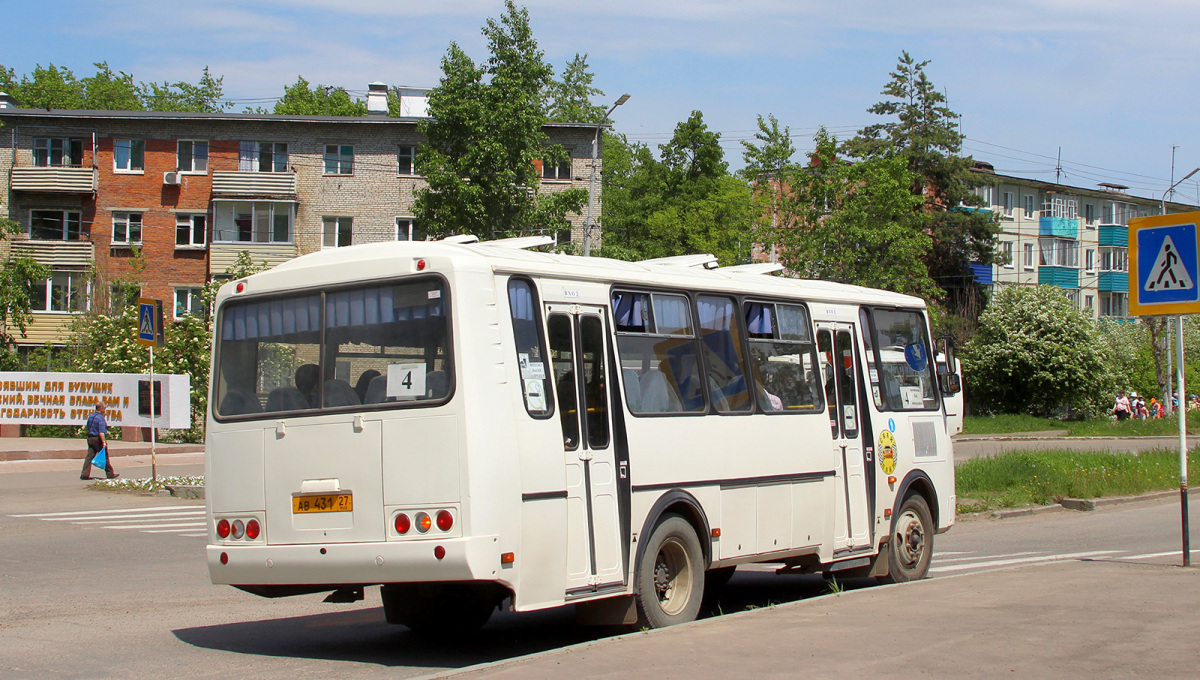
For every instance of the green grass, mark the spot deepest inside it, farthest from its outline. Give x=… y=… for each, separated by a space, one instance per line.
x=1040 y=477
x=1099 y=427
x=147 y=484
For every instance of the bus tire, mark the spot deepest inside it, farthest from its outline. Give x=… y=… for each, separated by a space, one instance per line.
x=670 y=577
x=910 y=548
x=436 y=609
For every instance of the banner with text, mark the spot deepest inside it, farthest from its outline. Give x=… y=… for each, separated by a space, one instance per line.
x=68 y=399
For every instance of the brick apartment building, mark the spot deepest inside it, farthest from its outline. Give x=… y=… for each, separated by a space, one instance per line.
x=193 y=190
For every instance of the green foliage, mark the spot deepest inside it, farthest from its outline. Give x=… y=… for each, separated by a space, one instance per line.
x=485 y=137
x=17 y=277
x=923 y=131
x=1042 y=477
x=685 y=203
x=301 y=99
x=1101 y=426
x=1035 y=353
x=570 y=100
x=853 y=222
x=53 y=87
x=772 y=155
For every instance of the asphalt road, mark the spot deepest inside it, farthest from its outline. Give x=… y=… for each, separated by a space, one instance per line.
x=97 y=595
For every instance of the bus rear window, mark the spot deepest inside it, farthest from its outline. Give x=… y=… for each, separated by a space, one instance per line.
x=372 y=346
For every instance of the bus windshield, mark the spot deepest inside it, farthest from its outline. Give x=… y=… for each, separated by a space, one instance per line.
x=377 y=346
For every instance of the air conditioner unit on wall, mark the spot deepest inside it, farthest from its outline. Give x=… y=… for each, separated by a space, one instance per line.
x=171 y=177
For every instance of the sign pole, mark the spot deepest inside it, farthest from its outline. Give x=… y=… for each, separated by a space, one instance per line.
x=1183 y=458
x=153 y=431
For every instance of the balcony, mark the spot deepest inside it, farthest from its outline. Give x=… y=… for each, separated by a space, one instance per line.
x=1063 y=227
x=1063 y=277
x=56 y=253
x=233 y=183
x=1114 y=235
x=1113 y=282
x=54 y=180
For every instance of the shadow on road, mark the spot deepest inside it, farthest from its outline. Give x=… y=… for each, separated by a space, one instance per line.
x=362 y=636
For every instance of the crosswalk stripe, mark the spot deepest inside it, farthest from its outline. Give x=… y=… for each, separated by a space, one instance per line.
x=194 y=535
x=167 y=531
x=82 y=513
x=1026 y=560
x=939 y=560
x=1146 y=556
x=140 y=518
x=189 y=525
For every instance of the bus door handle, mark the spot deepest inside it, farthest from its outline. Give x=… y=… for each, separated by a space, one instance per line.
x=585 y=454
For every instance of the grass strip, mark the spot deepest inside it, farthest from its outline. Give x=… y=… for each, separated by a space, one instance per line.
x=147 y=484
x=1100 y=427
x=1023 y=478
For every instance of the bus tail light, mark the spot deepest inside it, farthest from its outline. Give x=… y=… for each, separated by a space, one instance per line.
x=252 y=529
x=439 y=552
x=403 y=523
x=445 y=520
x=423 y=522
x=239 y=528
x=223 y=528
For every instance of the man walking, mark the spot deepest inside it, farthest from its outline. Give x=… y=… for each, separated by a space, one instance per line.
x=97 y=438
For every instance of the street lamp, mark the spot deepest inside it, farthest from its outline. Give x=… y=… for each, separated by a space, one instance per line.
x=1163 y=202
x=587 y=227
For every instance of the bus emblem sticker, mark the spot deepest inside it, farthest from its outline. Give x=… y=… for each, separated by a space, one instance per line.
x=887 y=452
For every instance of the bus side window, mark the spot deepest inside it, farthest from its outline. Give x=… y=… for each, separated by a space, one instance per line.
x=531 y=355
x=864 y=320
x=562 y=357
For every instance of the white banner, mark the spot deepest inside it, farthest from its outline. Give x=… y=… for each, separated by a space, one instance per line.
x=69 y=398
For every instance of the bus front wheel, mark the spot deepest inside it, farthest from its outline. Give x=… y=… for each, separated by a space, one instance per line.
x=670 y=575
x=910 y=548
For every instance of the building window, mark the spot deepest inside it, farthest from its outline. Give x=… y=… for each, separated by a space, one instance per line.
x=1058 y=252
x=1089 y=214
x=122 y=296
x=1009 y=203
x=560 y=170
x=262 y=157
x=985 y=192
x=337 y=232
x=1114 y=259
x=339 y=159
x=129 y=155
x=54 y=225
x=407 y=230
x=1007 y=252
x=1029 y=256
x=127 y=228
x=190 y=231
x=405 y=158
x=1060 y=206
x=1089 y=302
x=252 y=222
x=57 y=152
x=191 y=156
x=1089 y=259
x=189 y=301
x=1114 y=304
x=1029 y=201
x=62 y=292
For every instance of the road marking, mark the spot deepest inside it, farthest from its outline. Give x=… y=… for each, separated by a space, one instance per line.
x=938 y=558
x=180 y=520
x=1147 y=556
x=80 y=513
x=1021 y=560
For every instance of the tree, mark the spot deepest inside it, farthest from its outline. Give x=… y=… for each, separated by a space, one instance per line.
x=773 y=152
x=204 y=96
x=570 y=100
x=485 y=140
x=299 y=99
x=1035 y=353
x=108 y=91
x=17 y=278
x=46 y=88
x=852 y=222
x=924 y=132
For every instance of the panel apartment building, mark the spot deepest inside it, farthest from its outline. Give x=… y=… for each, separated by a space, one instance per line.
x=1071 y=237
x=193 y=190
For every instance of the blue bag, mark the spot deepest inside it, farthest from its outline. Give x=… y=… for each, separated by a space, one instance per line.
x=101 y=459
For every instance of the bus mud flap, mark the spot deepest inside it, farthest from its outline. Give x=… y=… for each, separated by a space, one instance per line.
x=610 y=611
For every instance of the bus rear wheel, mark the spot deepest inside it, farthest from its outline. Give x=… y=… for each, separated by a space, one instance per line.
x=432 y=609
x=910 y=548
x=670 y=575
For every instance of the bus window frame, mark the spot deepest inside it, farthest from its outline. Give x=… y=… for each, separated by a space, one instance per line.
x=747 y=340
x=876 y=362
x=693 y=318
x=540 y=323
x=234 y=300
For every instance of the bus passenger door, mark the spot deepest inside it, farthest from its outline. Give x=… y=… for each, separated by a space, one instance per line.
x=579 y=356
x=836 y=344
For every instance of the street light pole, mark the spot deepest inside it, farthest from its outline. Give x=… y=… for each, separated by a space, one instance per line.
x=1162 y=206
x=587 y=227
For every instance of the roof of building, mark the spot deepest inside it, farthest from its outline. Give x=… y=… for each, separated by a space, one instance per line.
x=65 y=114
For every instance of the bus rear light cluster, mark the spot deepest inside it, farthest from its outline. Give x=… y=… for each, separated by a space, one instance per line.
x=422 y=521
x=238 y=529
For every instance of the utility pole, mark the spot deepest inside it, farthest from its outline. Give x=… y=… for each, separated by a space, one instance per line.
x=1058 y=168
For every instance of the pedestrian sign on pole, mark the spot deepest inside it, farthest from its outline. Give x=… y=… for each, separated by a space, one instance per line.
x=1164 y=265
x=150 y=322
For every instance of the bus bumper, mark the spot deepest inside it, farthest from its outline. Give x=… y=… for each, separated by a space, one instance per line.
x=466 y=559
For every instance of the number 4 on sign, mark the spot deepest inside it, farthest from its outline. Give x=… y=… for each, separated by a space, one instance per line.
x=1168 y=272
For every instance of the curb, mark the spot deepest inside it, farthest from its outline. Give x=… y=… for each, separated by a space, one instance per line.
x=181 y=491
x=81 y=452
x=1088 y=504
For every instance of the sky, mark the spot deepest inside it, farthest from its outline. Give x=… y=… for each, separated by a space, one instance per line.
x=1104 y=81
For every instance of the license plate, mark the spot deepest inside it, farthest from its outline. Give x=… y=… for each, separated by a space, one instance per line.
x=339 y=502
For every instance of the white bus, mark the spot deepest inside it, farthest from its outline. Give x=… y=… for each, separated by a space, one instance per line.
x=467 y=424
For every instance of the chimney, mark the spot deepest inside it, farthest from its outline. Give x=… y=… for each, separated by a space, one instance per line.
x=377 y=101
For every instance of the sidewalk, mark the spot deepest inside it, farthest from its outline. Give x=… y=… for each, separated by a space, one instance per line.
x=1080 y=619
x=58 y=448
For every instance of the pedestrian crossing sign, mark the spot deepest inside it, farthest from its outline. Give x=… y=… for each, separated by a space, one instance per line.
x=150 y=322
x=1164 y=265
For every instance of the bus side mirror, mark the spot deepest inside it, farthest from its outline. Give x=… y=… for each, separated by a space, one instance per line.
x=951 y=383
x=948 y=378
